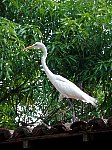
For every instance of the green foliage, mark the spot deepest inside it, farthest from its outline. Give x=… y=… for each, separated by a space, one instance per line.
x=78 y=36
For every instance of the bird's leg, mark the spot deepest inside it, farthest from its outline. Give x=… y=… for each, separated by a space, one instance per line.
x=71 y=106
x=72 y=109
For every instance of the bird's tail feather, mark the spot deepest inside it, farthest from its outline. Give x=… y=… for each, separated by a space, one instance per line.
x=93 y=101
x=90 y=99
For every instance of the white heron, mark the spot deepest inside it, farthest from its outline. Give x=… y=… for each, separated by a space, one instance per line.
x=66 y=88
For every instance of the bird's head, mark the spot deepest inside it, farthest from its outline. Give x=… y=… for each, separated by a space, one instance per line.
x=37 y=45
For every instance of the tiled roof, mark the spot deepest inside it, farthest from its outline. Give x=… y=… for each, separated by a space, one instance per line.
x=79 y=131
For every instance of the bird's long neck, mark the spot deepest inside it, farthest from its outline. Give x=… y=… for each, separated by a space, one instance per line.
x=43 y=61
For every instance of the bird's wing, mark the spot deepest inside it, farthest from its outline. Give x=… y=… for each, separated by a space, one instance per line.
x=70 y=90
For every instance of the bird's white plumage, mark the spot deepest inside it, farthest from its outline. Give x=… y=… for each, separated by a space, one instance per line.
x=65 y=87
x=70 y=90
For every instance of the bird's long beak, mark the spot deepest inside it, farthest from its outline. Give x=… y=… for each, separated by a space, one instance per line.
x=29 y=47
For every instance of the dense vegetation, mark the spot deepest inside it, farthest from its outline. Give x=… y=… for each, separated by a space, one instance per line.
x=78 y=36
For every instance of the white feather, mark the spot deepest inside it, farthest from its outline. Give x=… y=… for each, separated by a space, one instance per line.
x=65 y=87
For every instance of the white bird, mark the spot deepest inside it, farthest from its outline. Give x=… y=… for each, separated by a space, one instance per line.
x=66 y=88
